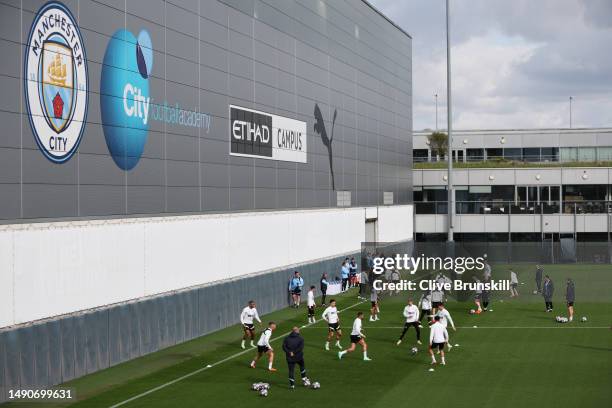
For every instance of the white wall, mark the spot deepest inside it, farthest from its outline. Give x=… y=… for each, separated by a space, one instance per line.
x=56 y=268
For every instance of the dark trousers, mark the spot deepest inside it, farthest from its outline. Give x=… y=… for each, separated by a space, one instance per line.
x=539 y=285
x=291 y=365
x=323 y=295
x=424 y=314
x=407 y=326
x=362 y=289
x=548 y=305
x=345 y=283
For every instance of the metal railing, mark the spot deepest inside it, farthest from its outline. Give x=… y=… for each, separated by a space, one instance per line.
x=494 y=207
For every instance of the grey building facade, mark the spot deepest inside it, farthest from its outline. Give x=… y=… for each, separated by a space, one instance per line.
x=338 y=66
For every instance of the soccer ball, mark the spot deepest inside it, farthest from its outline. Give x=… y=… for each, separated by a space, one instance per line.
x=414 y=350
x=306 y=382
x=472 y=311
x=315 y=385
x=584 y=319
x=263 y=392
x=260 y=386
x=561 y=319
x=535 y=292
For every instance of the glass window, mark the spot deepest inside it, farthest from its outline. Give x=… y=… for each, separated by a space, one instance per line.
x=420 y=155
x=568 y=154
x=550 y=153
x=513 y=154
x=493 y=154
x=531 y=154
x=586 y=154
x=474 y=154
x=604 y=153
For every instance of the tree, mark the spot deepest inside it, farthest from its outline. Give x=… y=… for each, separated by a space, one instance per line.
x=438 y=141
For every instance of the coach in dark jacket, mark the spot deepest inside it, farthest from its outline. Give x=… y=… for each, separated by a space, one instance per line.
x=547 y=291
x=538 y=278
x=293 y=346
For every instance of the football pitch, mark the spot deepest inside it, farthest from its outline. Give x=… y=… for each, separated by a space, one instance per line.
x=513 y=356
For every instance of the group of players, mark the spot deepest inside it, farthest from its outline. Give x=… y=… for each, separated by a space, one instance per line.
x=437 y=316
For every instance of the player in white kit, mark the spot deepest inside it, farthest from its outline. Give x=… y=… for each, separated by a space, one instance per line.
x=247 y=317
x=357 y=337
x=330 y=315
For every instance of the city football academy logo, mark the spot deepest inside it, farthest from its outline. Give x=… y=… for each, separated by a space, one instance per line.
x=124 y=96
x=56 y=83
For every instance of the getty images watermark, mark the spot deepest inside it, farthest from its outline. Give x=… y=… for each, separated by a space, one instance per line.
x=459 y=265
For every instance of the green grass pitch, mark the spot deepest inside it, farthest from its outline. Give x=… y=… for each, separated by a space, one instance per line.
x=517 y=356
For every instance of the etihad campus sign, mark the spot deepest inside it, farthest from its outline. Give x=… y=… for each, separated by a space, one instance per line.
x=266 y=136
x=56 y=84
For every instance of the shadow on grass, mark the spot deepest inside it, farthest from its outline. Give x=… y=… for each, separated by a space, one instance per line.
x=591 y=347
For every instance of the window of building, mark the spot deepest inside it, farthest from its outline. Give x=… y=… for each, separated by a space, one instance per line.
x=513 y=154
x=531 y=154
x=474 y=154
x=587 y=154
x=604 y=153
x=567 y=154
x=420 y=155
x=550 y=154
x=495 y=154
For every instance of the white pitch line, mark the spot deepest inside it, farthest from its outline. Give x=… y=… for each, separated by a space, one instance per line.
x=485 y=327
x=250 y=350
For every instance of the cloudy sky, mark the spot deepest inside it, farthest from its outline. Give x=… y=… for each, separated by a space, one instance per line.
x=514 y=63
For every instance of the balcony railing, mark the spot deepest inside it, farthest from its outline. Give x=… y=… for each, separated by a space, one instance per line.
x=515 y=207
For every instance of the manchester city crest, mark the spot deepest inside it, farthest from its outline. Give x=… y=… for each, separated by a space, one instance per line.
x=56 y=83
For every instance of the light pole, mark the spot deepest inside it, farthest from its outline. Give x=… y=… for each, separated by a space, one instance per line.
x=571 y=98
x=436 y=96
x=449 y=113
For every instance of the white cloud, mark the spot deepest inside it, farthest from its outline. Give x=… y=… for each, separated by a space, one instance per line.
x=515 y=64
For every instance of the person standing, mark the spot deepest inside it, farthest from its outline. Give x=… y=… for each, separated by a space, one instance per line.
x=357 y=337
x=247 y=317
x=445 y=318
x=438 y=337
x=344 y=273
x=570 y=297
x=425 y=305
x=330 y=315
x=478 y=295
x=548 y=289
x=538 y=278
x=295 y=286
x=411 y=313
x=310 y=302
x=293 y=346
x=363 y=284
x=374 y=310
x=264 y=347
x=487 y=271
x=323 y=284
x=353 y=272
x=513 y=284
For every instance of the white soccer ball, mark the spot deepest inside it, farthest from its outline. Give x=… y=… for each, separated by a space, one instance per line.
x=584 y=319
x=472 y=311
x=414 y=350
x=535 y=292
x=315 y=385
x=263 y=392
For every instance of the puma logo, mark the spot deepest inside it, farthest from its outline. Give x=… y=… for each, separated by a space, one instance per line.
x=319 y=127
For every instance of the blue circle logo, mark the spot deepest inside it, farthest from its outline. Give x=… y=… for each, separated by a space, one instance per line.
x=55 y=82
x=124 y=96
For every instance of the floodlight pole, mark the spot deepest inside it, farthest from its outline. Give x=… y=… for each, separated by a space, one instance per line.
x=449 y=113
x=571 y=98
x=436 y=96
